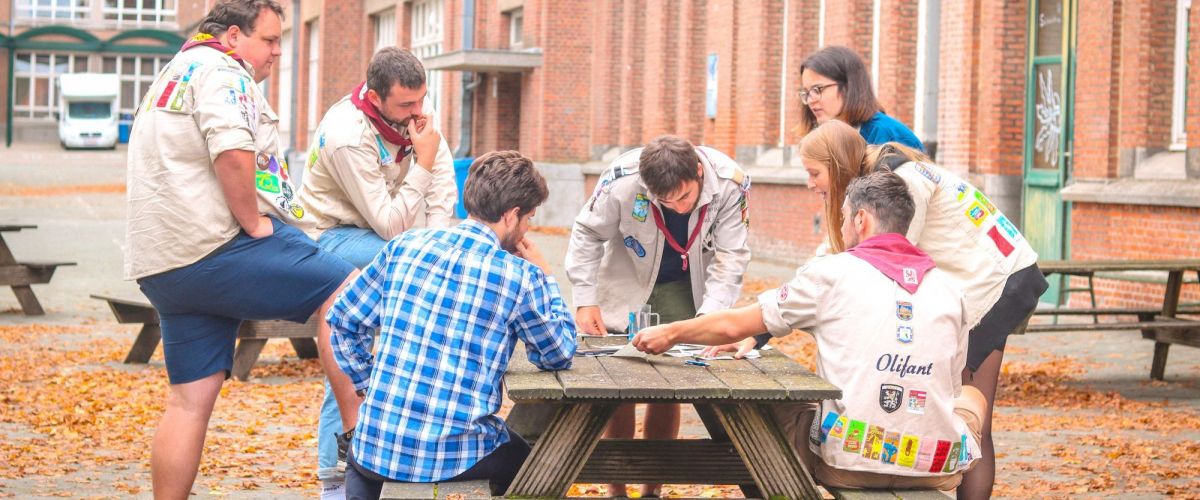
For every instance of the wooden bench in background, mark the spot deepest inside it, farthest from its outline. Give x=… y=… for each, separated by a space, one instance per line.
x=19 y=275
x=252 y=336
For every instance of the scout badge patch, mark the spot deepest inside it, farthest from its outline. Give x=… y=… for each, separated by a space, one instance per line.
x=916 y=402
x=635 y=245
x=904 y=334
x=641 y=205
x=904 y=311
x=890 y=397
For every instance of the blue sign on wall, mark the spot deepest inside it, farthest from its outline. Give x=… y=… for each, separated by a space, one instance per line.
x=710 y=88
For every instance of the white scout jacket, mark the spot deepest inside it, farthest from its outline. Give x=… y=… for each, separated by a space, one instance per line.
x=353 y=177
x=616 y=248
x=890 y=352
x=201 y=104
x=965 y=234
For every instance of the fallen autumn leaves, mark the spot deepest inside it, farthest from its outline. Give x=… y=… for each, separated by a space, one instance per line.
x=75 y=416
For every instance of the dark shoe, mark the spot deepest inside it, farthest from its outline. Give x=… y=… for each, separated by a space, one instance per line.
x=343 y=444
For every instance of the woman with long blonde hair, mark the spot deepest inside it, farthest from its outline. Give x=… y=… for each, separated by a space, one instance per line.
x=967 y=237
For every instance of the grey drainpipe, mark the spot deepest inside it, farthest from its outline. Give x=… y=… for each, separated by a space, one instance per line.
x=292 y=118
x=468 y=83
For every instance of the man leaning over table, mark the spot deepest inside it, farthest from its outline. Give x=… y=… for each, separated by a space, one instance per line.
x=450 y=305
x=890 y=331
x=210 y=236
x=666 y=226
x=377 y=166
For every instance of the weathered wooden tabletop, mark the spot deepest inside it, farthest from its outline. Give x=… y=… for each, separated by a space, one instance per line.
x=1101 y=265
x=774 y=376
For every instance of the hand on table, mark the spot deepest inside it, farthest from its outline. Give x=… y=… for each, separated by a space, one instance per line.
x=654 y=340
x=588 y=320
x=740 y=349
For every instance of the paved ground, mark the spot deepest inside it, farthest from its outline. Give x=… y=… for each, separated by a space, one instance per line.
x=77 y=200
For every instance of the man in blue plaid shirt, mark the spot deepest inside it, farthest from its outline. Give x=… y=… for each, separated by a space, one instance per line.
x=450 y=305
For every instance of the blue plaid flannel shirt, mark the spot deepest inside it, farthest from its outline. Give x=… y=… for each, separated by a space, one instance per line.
x=450 y=305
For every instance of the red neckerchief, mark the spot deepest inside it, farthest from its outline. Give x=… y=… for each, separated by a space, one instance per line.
x=207 y=40
x=390 y=134
x=683 y=251
x=896 y=258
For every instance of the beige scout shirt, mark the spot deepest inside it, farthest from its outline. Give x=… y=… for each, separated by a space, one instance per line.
x=965 y=234
x=616 y=249
x=352 y=178
x=202 y=104
x=897 y=356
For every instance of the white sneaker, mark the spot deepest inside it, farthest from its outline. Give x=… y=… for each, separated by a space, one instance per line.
x=333 y=490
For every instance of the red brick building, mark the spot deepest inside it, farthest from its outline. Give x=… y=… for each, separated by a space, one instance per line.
x=1072 y=114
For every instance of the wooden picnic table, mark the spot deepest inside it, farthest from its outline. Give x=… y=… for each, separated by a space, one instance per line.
x=565 y=414
x=20 y=275
x=1164 y=328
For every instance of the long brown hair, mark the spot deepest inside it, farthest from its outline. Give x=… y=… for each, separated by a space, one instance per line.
x=839 y=147
x=843 y=66
x=891 y=155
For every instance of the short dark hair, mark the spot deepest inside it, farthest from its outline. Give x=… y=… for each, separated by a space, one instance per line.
x=843 y=66
x=886 y=196
x=501 y=180
x=666 y=163
x=240 y=13
x=392 y=65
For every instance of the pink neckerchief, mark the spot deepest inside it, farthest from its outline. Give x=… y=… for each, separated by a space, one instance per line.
x=357 y=98
x=207 y=40
x=896 y=258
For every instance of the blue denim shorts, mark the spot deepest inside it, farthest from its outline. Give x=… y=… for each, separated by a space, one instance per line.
x=357 y=245
x=200 y=306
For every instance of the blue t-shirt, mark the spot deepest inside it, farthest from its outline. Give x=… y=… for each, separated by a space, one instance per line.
x=882 y=128
x=671 y=268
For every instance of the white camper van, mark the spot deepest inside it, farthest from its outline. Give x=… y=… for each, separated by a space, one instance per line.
x=87 y=110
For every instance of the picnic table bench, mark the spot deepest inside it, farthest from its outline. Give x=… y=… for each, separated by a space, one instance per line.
x=20 y=275
x=1162 y=325
x=564 y=415
x=252 y=335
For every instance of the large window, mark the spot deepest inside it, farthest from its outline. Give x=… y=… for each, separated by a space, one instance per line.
x=140 y=12
x=427 y=38
x=137 y=74
x=314 y=45
x=1179 y=102
x=53 y=10
x=35 y=74
x=285 y=91
x=384 y=23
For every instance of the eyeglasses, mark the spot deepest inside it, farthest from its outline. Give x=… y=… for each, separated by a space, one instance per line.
x=814 y=92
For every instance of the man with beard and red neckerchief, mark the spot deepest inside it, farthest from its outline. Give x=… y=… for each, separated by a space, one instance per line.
x=210 y=236
x=450 y=305
x=376 y=168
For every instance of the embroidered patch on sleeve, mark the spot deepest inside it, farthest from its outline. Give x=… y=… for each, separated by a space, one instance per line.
x=916 y=402
x=1002 y=244
x=831 y=418
x=873 y=446
x=939 y=456
x=952 y=457
x=925 y=454
x=976 y=213
x=891 y=445
x=891 y=397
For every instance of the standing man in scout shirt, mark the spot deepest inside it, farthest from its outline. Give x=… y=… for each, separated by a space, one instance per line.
x=891 y=329
x=208 y=236
x=666 y=226
x=376 y=165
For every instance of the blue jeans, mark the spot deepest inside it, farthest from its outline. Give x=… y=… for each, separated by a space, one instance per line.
x=359 y=247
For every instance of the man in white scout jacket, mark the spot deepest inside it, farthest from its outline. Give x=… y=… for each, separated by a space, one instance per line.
x=666 y=226
x=891 y=331
x=209 y=236
x=377 y=166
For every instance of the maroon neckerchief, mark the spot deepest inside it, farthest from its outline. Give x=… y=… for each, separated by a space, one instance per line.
x=389 y=134
x=207 y=40
x=662 y=227
x=896 y=258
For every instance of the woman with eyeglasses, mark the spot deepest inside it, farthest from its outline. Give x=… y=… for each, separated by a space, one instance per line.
x=836 y=85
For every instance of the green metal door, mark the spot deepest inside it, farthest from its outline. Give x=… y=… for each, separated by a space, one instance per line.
x=1049 y=98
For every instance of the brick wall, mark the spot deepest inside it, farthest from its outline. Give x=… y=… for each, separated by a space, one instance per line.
x=849 y=23
x=1000 y=91
x=1097 y=81
x=1147 y=37
x=896 y=81
x=606 y=74
x=758 y=65
x=723 y=40
x=1103 y=231
x=689 y=62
